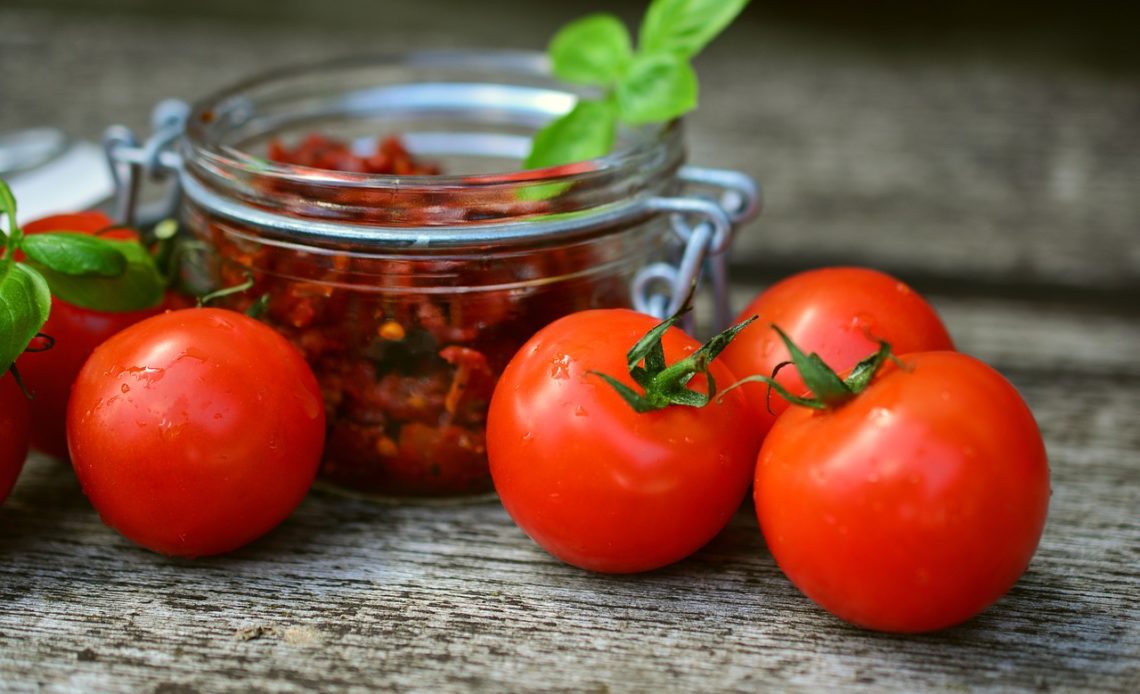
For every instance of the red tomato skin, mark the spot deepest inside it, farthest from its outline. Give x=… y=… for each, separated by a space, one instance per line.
x=837 y=312
x=76 y=333
x=14 y=421
x=592 y=481
x=49 y=374
x=914 y=506
x=194 y=432
x=88 y=222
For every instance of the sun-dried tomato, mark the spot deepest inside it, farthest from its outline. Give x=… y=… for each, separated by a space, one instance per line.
x=407 y=375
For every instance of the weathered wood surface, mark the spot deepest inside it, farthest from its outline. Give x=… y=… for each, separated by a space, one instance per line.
x=1004 y=185
x=348 y=593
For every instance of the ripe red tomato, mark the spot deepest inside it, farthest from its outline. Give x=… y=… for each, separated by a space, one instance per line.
x=76 y=332
x=596 y=483
x=839 y=313
x=14 y=421
x=913 y=506
x=196 y=431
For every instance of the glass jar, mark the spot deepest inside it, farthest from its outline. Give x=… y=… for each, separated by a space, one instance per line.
x=409 y=294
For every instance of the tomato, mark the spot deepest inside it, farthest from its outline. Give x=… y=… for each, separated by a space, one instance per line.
x=14 y=421
x=591 y=480
x=839 y=313
x=76 y=331
x=912 y=506
x=89 y=222
x=194 y=432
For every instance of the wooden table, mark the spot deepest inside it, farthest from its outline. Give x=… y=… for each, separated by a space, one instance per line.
x=998 y=177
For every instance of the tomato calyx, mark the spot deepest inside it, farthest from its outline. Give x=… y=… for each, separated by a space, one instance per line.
x=828 y=390
x=664 y=384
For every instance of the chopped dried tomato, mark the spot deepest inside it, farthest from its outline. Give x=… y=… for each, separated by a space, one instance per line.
x=406 y=375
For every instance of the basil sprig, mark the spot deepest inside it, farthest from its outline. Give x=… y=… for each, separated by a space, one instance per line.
x=653 y=84
x=81 y=269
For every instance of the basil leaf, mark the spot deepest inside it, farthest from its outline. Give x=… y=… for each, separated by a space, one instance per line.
x=657 y=88
x=72 y=253
x=139 y=286
x=684 y=27
x=25 y=302
x=585 y=132
x=592 y=50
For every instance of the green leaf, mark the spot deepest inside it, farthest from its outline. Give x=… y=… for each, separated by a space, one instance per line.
x=592 y=50
x=686 y=397
x=775 y=385
x=684 y=27
x=821 y=379
x=862 y=373
x=632 y=397
x=716 y=344
x=25 y=302
x=72 y=253
x=585 y=132
x=649 y=347
x=139 y=286
x=657 y=88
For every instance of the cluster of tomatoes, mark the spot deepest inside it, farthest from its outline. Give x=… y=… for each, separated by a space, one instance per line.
x=908 y=504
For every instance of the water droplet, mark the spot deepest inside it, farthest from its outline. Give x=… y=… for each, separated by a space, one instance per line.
x=560 y=369
x=194 y=353
x=880 y=416
x=148 y=374
x=863 y=322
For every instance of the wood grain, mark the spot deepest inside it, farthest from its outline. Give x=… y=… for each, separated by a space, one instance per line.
x=1004 y=185
x=357 y=595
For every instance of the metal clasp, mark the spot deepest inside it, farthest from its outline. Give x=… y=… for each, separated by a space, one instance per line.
x=154 y=159
x=706 y=226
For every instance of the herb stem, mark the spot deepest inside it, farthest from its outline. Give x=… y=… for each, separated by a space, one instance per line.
x=8 y=207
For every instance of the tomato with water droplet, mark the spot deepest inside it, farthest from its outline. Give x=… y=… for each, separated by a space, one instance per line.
x=903 y=510
x=596 y=483
x=195 y=432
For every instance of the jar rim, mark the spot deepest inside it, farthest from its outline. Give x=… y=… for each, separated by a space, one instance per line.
x=530 y=64
x=495 y=93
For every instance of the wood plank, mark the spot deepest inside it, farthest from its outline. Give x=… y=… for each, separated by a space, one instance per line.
x=353 y=594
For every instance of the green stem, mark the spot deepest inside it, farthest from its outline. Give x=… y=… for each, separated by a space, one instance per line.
x=226 y=291
x=662 y=384
x=827 y=389
x=8 y=207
